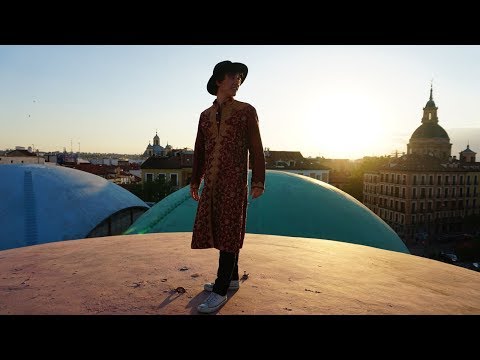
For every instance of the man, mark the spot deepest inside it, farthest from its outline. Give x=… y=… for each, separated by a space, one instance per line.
x=227 y=137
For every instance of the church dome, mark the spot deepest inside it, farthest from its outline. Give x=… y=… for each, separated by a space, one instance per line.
x=47 y=203
x=429 y=130
x=292 y=205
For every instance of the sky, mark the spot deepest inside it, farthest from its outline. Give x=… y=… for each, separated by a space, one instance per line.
x=335 y=101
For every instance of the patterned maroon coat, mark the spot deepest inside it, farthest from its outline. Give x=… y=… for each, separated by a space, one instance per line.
x=221 y=160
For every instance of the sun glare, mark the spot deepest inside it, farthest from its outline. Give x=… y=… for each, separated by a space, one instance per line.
x=344 y=126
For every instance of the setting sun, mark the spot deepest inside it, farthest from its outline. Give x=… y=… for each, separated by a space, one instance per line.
x=345 y=124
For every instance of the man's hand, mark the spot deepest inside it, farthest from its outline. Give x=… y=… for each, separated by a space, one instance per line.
x=256 y=192
x=194 y=193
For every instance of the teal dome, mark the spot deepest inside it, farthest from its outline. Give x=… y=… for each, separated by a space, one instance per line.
x=292 y=205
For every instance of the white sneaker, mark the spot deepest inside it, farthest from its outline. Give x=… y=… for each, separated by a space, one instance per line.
x=234 y=285
x=213 y=303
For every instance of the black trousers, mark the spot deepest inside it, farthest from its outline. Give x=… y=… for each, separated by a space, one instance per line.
x=227 y=271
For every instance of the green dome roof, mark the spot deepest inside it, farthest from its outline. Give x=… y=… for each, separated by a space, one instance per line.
x=292 y=205
x=428 y=131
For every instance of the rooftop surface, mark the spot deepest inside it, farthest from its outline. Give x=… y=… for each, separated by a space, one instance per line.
x=144 y=274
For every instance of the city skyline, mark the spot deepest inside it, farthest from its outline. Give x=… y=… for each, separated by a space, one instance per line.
x=322 y=100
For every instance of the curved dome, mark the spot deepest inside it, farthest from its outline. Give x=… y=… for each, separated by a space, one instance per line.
x=47 y=203
x=429 y=131
x=292 y=205
x=430 y=104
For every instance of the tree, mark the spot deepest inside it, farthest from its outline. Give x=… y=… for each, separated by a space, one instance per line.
x=152 y=191
x=354 y=186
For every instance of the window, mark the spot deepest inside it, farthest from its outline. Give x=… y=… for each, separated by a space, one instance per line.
x=414 y=194
x=430 y=192
x=454 y=179
x=174 y=179
x=430 y=182
x=148 y=177
x=161 y=177
x=312 y=175
x=439 y=180
x=414 y=207
x=446 y=180
x=414 y=179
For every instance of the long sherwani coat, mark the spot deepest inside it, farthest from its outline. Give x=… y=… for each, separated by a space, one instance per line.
x=225 y=142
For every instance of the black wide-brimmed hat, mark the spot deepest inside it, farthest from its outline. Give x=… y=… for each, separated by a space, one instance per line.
x=223 y=68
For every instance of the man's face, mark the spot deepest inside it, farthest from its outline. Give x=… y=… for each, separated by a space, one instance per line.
x=230 y=84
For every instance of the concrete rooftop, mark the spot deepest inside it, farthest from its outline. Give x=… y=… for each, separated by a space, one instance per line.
x=139 y=274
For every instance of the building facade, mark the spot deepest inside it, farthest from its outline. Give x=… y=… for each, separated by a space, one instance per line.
x=294 y=162
x=21 y=156
x=176 y=168
x=426 y=192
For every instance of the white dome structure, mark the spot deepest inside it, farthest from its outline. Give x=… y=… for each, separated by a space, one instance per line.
x=47 y=203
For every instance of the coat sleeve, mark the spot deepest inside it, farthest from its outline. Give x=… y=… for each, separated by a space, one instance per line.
x=198 y=159
x=255 y=148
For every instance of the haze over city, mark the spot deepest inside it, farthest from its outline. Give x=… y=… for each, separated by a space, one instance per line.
x=323 y=100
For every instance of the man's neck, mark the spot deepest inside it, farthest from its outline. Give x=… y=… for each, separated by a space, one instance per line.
x=221 y=99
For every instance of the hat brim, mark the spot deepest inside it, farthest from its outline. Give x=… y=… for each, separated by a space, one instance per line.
x=236 y=67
